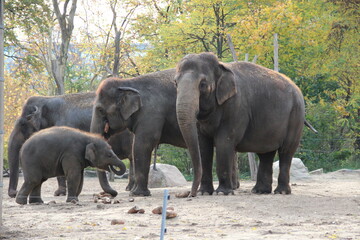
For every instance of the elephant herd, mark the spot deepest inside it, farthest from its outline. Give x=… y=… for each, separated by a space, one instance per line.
x=202 y=105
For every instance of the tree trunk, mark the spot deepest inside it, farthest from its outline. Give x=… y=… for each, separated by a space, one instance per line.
x=66 y=22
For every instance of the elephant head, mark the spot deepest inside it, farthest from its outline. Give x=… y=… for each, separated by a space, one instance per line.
x=29 y=122
x=114 y=106
x=203 y=84
x=101 y=155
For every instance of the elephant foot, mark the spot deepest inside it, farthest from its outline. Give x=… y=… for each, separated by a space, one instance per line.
x=137 y=191
x=21 y=200
x=35 y=200
x=206 y=189
x=60 y=192
x=72 y=199
x=224 y=190
x=282 y=189
x=129 y=186
x=236 y=185
x=261 y=189
x=12 y=193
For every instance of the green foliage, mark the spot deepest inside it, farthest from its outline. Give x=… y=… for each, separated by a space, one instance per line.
x=176 y=156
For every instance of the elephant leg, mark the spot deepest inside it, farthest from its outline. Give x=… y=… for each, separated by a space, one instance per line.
x=35 y=195
x=143 y=145
x=207 y=153
x=131 y=176
x=224 y=165
x=285 y=159
x=25 y=190
x=61 y=191
x=74 y=179
x=264 y=176
x=235 y=173
x=80 y=184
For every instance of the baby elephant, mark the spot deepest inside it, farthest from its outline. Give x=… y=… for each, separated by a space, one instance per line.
x=63 y=151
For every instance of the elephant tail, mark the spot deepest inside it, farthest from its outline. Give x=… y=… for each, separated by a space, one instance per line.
x=309 y=126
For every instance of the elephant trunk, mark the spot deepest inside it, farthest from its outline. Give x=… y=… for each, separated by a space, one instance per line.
x=120 y=165
x=16 y=141
x=187 y=106
x=98 y=126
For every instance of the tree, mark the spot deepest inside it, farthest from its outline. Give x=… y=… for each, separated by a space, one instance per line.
x=66 y=22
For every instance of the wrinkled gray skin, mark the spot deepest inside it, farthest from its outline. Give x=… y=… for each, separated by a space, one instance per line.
x=238 y=107
x=146 y=106
x=73 y=110
x=62 y=151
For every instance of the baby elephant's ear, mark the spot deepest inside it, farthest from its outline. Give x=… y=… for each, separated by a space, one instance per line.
x=90 y=152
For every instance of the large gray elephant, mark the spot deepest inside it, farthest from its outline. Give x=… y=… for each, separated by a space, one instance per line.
x=240 y=107
x=73 y=110
x=146 y=106
x=63 y=151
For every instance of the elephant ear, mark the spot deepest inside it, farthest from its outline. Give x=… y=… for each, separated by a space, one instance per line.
x=34 y=117
x=90 y=153
x=130 y=101
x=225 y=87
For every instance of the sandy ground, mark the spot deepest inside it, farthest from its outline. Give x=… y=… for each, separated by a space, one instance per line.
x=321 y=207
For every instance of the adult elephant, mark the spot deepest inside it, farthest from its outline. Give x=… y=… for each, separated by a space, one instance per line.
x=40 y=112
x=240 y=107
x=146 y=106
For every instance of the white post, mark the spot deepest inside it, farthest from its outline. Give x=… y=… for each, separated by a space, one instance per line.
x=276 y=52
x=1 y=105
x=246 y=57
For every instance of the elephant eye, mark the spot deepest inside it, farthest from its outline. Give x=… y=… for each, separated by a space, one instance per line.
x=203 y=86
x=100 y=110
x=109 y=155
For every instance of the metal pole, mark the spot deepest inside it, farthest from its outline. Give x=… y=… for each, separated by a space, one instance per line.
x=1 y=104
x=163 y=216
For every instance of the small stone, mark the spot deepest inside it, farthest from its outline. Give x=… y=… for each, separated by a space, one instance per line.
x=117 y=222
x=52 y=202
x=157 y=210
x=107 y=200
x=131 y=200
x=170 y=214
x=116 y=201
x=182 y=194
x=133 y=210
x=141 y=211
x=74 y=201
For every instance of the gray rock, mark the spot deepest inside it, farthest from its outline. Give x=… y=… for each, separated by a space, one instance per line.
x=165 y=176
x=297 y=171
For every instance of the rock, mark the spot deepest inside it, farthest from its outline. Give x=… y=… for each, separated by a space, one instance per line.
x=317 y=172
x=165 y=176
x=182 y=194
x=170 y=214
x=158 y=210
x=136 y=209
x=117 y=222
x=297 y=171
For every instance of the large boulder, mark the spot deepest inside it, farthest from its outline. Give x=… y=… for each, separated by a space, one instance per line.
x=165 y=176
x=297 y=171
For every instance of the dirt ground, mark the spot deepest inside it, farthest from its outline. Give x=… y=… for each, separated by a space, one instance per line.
x=324 y=206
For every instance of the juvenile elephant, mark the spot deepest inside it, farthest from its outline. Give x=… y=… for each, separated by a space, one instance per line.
x=146 y=106
x=240 y=107
x=62 y=151
x=40 y=112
